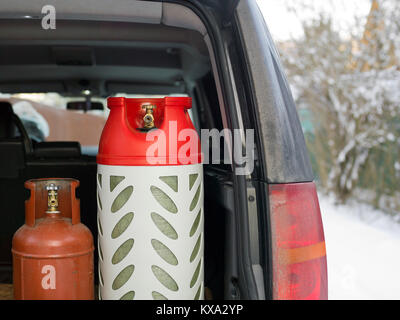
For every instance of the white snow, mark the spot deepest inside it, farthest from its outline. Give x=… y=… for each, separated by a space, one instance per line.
x=363 y=251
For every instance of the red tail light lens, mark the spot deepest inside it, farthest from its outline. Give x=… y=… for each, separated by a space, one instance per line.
x=298 y=245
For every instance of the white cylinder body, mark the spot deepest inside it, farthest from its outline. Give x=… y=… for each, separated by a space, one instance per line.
x=151 y=232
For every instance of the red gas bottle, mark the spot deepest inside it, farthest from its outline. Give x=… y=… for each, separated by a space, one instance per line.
x=150 y=201
x=53 y=251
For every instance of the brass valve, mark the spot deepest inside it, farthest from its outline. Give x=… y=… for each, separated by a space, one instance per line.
x=148 y=118
x=52 y=198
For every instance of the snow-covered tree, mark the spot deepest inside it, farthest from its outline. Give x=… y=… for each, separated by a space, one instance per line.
x=351 y=84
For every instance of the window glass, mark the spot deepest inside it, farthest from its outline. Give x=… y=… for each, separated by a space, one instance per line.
x=49 y=117
x=46 y=118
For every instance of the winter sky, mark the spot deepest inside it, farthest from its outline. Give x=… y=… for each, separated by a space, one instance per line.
x=283 y=24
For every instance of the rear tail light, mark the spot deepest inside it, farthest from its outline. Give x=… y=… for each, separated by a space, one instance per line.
x=298 y=245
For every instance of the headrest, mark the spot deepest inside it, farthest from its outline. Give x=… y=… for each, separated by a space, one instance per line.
x=5 y=108
x=8 y=128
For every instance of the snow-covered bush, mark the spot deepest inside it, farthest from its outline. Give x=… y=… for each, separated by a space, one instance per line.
x=351 y=84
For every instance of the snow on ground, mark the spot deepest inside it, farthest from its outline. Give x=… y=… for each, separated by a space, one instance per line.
x=363 y=251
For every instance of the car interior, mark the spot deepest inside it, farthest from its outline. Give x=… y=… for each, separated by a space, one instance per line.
x=109 y=57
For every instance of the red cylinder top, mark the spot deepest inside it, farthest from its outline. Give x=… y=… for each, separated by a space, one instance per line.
x=51 y=235
x=173 y=141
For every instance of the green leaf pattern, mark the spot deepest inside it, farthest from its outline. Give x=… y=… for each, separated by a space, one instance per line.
x=120 y=254
x=164 y=225
x=164 y=193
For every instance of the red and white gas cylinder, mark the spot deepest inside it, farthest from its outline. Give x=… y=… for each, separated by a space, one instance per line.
x=53 y=251
x=150 y=201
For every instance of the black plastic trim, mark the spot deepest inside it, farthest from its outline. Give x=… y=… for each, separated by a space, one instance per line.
x=214 y=24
